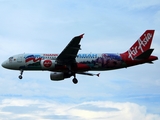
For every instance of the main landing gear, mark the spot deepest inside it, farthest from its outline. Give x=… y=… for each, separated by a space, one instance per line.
x=20 y=76
x=72 y=73
x=75 y=81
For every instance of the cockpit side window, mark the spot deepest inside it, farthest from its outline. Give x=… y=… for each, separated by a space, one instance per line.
x=10 y=59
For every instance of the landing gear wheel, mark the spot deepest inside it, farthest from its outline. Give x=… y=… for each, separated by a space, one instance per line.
x=75 y=81
x=20 y=77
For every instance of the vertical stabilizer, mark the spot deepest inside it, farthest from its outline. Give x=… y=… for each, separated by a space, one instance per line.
x=140 y=46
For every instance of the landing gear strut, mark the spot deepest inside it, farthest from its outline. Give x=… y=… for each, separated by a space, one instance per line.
x=72 y=73
x=75 y=81
x=20 y=76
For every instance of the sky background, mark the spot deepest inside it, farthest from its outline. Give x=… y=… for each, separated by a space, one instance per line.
x=46 y=26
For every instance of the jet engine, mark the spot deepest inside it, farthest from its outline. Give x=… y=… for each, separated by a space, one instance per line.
x=57 y=76
x=47 y=64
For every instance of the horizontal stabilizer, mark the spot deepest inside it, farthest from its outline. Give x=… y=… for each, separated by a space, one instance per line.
x=150 y=62
x=145 y=54
x=90 y=74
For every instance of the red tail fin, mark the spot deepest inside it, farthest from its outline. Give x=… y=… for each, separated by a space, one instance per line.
x=141 y=45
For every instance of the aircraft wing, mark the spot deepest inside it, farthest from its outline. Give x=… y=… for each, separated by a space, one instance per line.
x=68 y=55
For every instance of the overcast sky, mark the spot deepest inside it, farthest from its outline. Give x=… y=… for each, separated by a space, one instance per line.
x=46 y=26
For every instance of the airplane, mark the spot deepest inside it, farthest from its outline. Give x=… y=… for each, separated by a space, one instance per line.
x=69 y=62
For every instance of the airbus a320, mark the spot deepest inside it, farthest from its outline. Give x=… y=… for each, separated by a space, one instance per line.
x=69 y=62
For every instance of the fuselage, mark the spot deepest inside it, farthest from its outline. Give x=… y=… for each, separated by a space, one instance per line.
x=84 y=62
x=69 y=62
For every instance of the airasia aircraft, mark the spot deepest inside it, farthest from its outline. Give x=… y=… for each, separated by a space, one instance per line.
x=69 y=62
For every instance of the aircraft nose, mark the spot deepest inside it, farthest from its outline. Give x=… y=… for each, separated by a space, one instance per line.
x=4 y=64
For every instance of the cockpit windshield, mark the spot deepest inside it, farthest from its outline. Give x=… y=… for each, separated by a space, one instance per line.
x=10 y=58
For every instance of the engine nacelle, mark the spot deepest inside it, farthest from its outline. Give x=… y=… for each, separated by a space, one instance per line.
x=57 y=76
x=47 y=64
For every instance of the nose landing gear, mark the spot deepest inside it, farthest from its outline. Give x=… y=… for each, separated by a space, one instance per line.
x=20 y=76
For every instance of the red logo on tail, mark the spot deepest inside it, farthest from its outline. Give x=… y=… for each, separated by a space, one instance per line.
x=141 y=45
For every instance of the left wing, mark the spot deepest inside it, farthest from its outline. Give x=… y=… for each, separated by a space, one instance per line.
x=68 y=55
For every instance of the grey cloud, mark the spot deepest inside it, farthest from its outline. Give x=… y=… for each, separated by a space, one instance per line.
x=95 y=108
x=39 y=109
